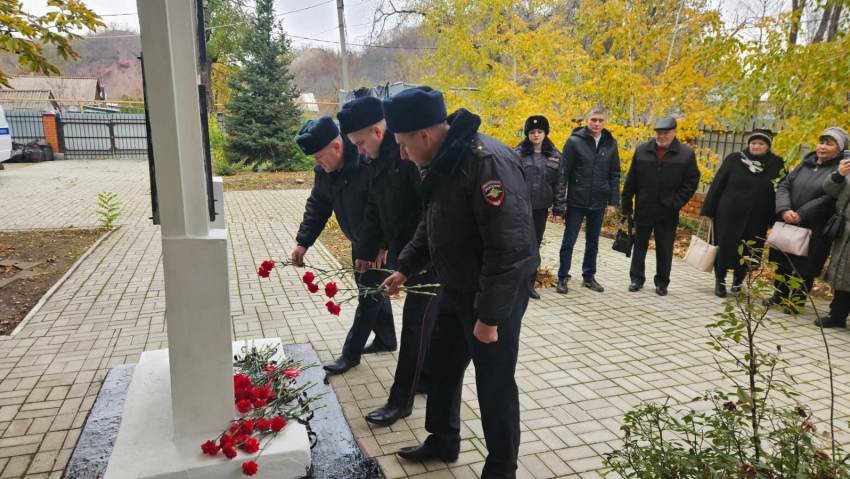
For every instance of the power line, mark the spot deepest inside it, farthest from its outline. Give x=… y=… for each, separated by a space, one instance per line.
x=278 y=15
x=362 y=45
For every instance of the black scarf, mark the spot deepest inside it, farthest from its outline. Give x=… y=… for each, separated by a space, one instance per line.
x=755 y=164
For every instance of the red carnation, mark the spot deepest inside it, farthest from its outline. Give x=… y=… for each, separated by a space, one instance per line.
x=330 y=290
x=263 y=392
x=246 y=428
x=259 y=403
x=249 y=468
x=332 y=308
x=270 y=368
x=234 y=428
x=229 y=452
x=225 y=441
x=263 y=273
x=210 y=448
x=312 y=287
x=308 y=277
x=251 y=446
x=241 y=381
x=243 y=406
x=240 y=394
x=267 y=265
x=272 y=396
x=278 y=423
x=293 y=373
x=263 y=425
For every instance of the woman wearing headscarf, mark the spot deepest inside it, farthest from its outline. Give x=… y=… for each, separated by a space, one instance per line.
x=541 y=162
x=742 y=204
x=838 y=273
x=801 y=200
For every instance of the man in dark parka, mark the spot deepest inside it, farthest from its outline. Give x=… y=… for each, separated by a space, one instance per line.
x=478 y=234
x=341 y=187
x=662 y=179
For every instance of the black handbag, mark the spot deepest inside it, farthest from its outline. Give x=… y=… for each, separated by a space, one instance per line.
x=624 y=240
x=835 y=226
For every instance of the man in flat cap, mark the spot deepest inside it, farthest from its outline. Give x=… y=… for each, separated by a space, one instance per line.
x=662 y=179
x=478 y=235
x=393 y=212
x=342 y=187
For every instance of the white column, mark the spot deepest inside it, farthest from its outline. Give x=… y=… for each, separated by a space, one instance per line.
x=195 y=258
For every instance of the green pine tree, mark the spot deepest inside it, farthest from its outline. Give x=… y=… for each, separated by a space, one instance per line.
x=262 y=117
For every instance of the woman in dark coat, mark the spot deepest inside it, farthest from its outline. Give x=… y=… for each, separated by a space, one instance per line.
x=742 y=204
x=801 y=200
x=544 y=177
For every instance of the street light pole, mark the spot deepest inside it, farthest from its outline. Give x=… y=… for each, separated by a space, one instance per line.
x=341 y=14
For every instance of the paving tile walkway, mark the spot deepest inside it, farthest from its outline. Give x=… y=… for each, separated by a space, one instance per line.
x=585 y=358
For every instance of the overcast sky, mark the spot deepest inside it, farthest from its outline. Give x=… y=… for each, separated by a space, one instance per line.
x=313 y=22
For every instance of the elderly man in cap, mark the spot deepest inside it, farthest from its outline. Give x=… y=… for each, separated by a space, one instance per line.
x=662 y=179
x=342 y=187
x=393 y=213
x=477 y=233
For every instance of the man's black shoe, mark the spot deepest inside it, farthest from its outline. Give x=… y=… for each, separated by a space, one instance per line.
x=387 y=415
x=829 y=322
x=534 y=294
x=775 y=299
x=373 y=348
x=661 y=290
x=635 y=287
x=562 y=286
x=423 y=453
x=720 y=290
x=592 y=285
x=340 y=365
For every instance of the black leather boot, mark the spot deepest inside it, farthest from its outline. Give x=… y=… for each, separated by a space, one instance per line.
x=720 y=289
x=387 y=415
x=423 y=453
x=340 y=365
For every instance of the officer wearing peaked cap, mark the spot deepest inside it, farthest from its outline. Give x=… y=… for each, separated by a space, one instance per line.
x=341 y=187
x=478 y=235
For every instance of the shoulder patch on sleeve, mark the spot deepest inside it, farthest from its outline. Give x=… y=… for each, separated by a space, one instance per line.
x=494 y=192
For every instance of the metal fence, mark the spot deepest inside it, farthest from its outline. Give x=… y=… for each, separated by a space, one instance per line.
x=103 y=135
x=26 y=126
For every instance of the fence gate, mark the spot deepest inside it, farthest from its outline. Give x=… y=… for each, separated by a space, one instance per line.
x=26 y=126
x=103 y=135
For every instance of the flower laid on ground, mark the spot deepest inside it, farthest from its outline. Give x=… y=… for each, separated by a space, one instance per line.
x=265 y=392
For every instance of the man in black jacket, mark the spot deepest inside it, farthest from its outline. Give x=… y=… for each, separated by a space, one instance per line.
x=591 y=168
x=662 y=179
x=478 y=235
x=393 y=212
x=341 y=187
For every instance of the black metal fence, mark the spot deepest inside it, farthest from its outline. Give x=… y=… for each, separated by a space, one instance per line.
x=103 y=135
x=25 y=126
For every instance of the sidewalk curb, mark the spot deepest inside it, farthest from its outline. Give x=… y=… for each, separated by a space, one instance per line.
x=49 y=293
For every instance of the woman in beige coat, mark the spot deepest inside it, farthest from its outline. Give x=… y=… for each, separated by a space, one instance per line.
x=837 y=185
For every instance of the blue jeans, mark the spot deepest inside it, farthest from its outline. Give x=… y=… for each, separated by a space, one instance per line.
x=593 y=228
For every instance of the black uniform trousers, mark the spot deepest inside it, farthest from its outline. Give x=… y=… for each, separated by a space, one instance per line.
x=417 y=324
x=374 y=313
x=452 y=347
x=539 y=217
x=665 y=237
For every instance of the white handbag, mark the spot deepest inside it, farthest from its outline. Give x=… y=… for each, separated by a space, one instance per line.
x=791 y=239
x=702 y=254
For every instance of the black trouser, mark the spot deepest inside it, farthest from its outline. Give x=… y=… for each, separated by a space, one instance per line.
x=452 y=347
x=374 y=313
x=418 y=319
x=739 y=273
x=839 y=308
x=665 y=237
x=539 y=217
x=784 y=289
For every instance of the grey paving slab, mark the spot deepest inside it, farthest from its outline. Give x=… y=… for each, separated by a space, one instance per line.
x=585 y=358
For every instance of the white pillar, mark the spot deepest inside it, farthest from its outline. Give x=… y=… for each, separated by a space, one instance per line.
x=197 y=294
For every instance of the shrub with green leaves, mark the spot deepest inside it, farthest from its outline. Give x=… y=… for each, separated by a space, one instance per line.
x=108 y=208
x=758 y=430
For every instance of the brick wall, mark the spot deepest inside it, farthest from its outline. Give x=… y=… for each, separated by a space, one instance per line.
x=694 y=206
x=51 y=135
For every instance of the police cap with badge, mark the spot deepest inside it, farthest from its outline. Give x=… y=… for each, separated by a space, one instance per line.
x=414 y=109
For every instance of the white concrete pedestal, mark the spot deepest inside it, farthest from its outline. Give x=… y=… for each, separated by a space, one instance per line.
x=147 y=449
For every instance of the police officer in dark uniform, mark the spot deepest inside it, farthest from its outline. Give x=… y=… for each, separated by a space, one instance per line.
x=342 y=187
x=478 y=234
x=393 y=212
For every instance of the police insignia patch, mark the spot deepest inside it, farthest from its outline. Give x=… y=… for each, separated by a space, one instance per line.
x=494 y=192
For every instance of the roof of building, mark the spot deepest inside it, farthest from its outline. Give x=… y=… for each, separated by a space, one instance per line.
x=34 y=100
x=63 y=88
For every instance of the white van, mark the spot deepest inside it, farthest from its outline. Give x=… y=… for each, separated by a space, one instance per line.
x=5 y=137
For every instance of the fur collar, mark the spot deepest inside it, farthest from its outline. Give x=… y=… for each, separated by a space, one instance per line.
x=463 y=126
